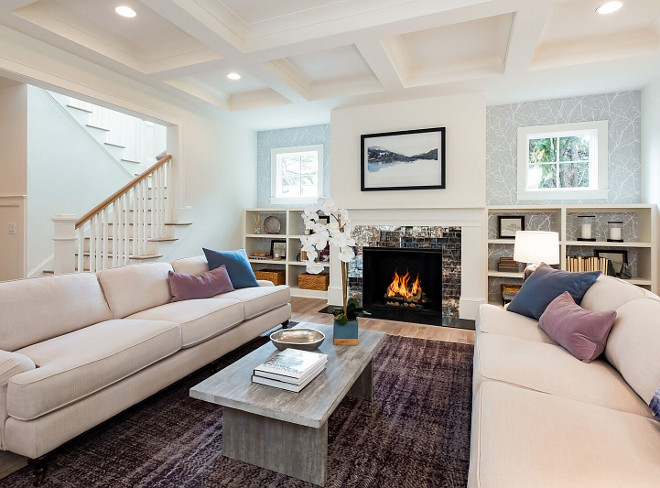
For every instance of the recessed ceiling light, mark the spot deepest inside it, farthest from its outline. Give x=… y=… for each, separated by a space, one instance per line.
x=125 y=11
x=234 y=76
x=609 y=7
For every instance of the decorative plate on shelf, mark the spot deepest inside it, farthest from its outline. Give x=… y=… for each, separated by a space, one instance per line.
x=272 y=225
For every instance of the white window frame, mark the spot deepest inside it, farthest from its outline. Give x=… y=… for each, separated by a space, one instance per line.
x=274 y=176
x=598 y=168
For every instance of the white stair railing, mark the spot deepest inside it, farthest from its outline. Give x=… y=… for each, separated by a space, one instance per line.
x=120 y=227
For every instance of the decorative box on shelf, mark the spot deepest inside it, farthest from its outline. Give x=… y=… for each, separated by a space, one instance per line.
x=319 y=281
x=277 y=276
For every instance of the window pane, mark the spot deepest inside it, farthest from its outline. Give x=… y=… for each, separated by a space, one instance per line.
x=542 y=176
x=297 y=175
x=542 y=150
x=574 y=148
x=574 y=175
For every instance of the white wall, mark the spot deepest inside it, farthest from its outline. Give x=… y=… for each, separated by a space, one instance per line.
x=464 y=117
x=69 y=172
x=460 y=204
x=651 y=152
x=13 y=180
x=214 y=158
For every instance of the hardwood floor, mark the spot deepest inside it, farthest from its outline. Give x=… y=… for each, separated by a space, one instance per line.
x=307 y=309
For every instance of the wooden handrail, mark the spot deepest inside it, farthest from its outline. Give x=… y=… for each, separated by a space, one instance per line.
x=105 y=203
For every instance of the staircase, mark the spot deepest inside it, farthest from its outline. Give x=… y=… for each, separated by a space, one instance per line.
x=128 y=227
x=129 y=140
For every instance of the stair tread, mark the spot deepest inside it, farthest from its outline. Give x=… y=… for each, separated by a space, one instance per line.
x=97 y=127
x=114 y=145
x=155 y=239
x=79 y=108
x=178 y=223
x=131 y=256
x=131 y=161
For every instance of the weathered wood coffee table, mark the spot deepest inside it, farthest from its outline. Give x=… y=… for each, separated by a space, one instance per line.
x=284 y=431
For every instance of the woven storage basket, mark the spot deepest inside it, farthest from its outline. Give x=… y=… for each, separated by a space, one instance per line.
x=274 y=275
x=314 y=281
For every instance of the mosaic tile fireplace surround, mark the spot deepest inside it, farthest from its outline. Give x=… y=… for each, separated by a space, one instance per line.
x=445 y=239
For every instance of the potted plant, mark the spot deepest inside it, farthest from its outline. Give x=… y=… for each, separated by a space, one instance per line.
x=336 y=231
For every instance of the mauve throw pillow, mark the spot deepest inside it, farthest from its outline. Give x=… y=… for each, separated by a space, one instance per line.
x=205 y=285
x=582 y=332
x=545 y=284
x=237 y=263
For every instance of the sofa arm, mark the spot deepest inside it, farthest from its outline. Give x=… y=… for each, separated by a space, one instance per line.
x=13 y=363
x=265 y=283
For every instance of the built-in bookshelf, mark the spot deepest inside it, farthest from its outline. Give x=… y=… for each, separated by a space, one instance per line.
x=292 y=229
x=638 y=233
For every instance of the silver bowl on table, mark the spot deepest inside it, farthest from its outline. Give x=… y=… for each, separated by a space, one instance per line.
x=305 y=339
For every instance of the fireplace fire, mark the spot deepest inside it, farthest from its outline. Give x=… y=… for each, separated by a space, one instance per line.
x=402 y=293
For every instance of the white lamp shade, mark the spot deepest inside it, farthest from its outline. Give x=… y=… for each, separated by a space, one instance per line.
x=534 y=247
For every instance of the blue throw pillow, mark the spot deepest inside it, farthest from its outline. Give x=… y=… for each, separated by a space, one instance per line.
x=545 y=284
x=238 y=266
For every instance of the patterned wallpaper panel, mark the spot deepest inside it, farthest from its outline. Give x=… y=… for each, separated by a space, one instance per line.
x=296 y=136
x=621 y=109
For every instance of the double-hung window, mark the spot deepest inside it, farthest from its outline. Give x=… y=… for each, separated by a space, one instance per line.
x=568 y=161
x=296 y=174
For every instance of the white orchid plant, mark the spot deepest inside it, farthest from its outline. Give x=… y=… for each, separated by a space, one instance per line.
x=336 y=232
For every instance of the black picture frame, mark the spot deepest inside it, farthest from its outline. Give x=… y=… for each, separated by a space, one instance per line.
x=506 y=229
x=403 y=154
x=279 y=243
x=613 y=268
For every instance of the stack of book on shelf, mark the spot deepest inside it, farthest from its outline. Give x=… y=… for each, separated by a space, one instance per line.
x=587 y=263
x=508 y=265
x=290 y=369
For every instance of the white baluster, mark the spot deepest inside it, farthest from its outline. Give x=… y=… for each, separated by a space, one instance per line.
x=153 y=205
x=81 y=248
x=135 y=227
x=115 y=247
x=125 y=233
x=98 y=253
x=145 y=216
x=92 y=245
x=104 y=230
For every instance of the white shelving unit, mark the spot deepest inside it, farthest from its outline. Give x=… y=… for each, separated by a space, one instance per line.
x=291 y=231
x=640 y=223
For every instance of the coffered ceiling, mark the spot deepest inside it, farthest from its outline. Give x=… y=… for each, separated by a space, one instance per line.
x=299 y=53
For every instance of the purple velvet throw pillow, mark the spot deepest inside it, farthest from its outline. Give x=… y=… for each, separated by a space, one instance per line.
x=581 y=332
x=205 y=285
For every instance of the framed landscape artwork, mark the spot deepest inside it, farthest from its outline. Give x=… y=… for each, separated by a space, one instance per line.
x=404 y=160
x=508 y=225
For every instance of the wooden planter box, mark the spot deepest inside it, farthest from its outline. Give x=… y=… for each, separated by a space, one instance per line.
x=314 y=281
x=277 y=276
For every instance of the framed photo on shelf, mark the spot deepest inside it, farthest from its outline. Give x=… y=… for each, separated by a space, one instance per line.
x=403 y=160
x=508 y=225
x=278 y=248
x=618 y=259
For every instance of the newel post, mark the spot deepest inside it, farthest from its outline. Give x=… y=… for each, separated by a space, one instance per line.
x=64 y=240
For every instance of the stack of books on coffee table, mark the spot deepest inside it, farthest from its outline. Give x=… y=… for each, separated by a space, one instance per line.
x=291 y=369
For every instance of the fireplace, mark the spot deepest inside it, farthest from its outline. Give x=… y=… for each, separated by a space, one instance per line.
x=402 y=283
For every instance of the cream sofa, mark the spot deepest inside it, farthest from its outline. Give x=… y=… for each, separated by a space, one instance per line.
x=541 y=418
x=77 y=349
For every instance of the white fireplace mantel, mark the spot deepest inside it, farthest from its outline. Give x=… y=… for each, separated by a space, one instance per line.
x=474 y=259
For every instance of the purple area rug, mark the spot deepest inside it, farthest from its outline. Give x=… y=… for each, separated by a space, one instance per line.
x=416 y=433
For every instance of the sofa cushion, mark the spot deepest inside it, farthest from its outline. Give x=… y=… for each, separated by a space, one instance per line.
x=75 y=365
x=496 y=320
x=525 y=439
x=582 y=332
x=633 y=346
x=549 y=368
x=194 y=265
x=199 y=319
x=33 y=310
x=609 y=293
x=130 y=289
x=238 y=266
x=259 y=300
x=205 y=285
x=545 y=284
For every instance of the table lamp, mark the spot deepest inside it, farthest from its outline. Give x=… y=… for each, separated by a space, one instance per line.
x=534 y=248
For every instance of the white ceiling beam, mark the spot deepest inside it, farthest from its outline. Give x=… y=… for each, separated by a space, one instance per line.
x=375 y=55
x=526 y=33
x=9 y=5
